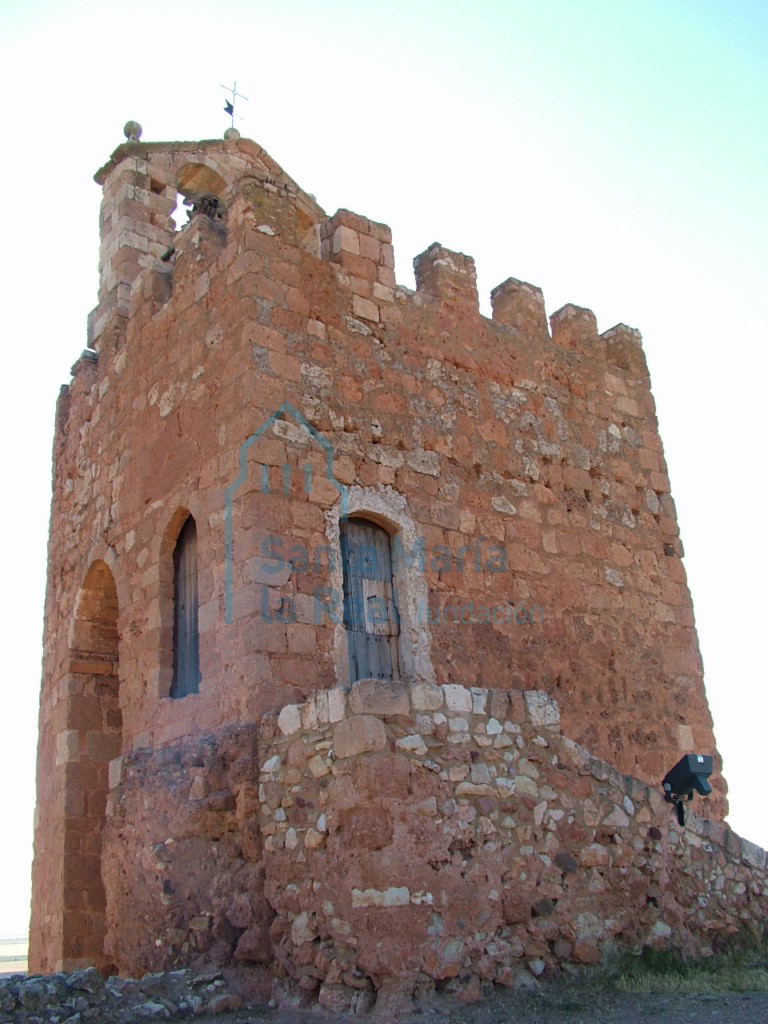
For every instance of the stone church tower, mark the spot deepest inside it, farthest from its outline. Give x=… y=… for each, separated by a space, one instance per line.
x=278 y=473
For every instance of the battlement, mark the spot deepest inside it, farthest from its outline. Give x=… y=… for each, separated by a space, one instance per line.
x=236 y=187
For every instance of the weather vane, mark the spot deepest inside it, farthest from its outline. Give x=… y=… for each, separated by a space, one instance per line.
x=229 y=105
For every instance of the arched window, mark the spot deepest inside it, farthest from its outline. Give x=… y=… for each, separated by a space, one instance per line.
x=370 y=613
x=186 y=638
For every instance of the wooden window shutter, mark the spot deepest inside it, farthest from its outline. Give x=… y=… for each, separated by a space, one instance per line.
x=186 y=639
x=370 y=612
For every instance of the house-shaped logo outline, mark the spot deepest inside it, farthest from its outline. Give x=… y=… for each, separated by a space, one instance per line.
x=286 y=409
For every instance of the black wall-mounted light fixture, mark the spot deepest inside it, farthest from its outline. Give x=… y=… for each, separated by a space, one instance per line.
x=689 y=776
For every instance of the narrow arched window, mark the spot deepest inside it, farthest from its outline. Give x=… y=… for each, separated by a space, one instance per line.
x=186 y=638
x=370 y=613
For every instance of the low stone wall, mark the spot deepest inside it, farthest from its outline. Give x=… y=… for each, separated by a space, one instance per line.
x=378 y=842
x=422 y=834
x=84 y=996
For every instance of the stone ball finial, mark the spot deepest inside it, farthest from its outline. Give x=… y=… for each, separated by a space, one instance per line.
x=132 y=131
x=231 y=134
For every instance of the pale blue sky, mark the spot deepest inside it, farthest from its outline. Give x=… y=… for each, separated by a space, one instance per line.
x=613 y=153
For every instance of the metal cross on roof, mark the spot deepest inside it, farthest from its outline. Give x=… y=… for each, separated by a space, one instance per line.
x=229 y=105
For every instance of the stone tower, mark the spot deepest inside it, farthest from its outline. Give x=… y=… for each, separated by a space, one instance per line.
x=276 y=473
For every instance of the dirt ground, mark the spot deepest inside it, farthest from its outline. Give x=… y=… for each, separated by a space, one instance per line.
x=565 y=1000
x=564 y=1003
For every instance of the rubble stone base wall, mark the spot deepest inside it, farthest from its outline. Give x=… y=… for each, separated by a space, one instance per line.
x=421 y=834
x=373 y=843
x=182 y=862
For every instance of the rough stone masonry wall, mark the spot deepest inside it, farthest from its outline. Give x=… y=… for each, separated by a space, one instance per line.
x=422 y=834
x=182 y=857
x=484 y=433
x=458 y=430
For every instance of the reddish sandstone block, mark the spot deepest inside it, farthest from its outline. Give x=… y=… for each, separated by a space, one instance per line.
x=365 y=827
x=357 y=735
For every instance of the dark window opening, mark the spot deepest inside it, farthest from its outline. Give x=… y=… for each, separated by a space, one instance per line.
x=186 y=638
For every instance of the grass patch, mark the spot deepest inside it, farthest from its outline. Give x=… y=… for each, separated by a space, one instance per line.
x=666 y=972
x=694 y=982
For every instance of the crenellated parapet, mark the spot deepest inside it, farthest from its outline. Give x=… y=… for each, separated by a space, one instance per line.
x=233 y=187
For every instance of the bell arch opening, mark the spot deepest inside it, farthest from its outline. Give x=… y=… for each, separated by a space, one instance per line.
x=92 y=737
x=199 y=189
